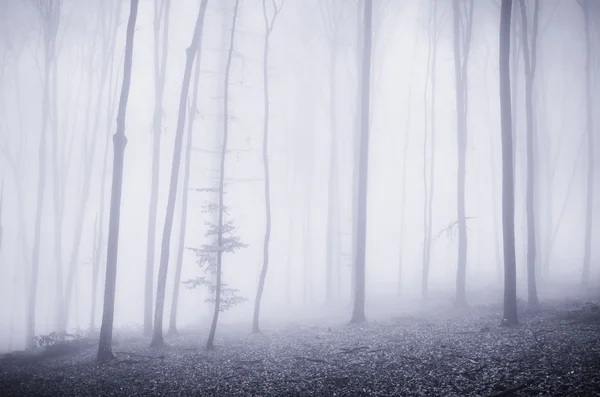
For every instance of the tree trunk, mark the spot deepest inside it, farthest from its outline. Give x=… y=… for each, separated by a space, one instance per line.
x=462 y=42
x=119 y=141
x=358 y=313
x=213 y=327
x=161 y=16
x=184 y=198
x=529 y=57
x=508 y=197
x=157 y=337
x=589 y=199
x=269 y=23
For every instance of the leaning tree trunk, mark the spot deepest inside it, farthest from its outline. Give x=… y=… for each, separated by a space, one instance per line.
x=462 y=43
x=508 y=197
x=119 y=140
x=529 y=57
x=184 y=197
x=269 y=23
x=358 y=313
x=157 y=337
x=589 y=200
x=161 y=16
x=213 y=327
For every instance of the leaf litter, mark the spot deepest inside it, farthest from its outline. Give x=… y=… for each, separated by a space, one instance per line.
x=554 y=351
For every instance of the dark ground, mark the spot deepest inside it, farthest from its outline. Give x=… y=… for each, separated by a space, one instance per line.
x=553 y=352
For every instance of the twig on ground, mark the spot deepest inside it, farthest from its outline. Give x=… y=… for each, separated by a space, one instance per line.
x=314 y=360
x=511 y=390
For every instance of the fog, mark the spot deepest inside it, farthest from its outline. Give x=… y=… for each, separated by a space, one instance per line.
x=312 y=212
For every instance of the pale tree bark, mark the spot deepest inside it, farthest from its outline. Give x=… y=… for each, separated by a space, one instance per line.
x=161 y=18
x=463 y=23
x=192 y=50
x=193 y=110
x=119 y=142
x=429 y=186
x=213 y=327
x=358 y=313
x=589 y=199
x=530 y=61
x=508 y=197
x=269 y=24
x=49 y=12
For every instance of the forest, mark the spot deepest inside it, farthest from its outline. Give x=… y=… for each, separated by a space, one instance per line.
x=299 y=197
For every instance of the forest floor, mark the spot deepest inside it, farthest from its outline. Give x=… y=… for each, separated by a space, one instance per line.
x=555 y=351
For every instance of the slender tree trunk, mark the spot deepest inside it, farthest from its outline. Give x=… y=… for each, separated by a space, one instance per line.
x=184 y=198
x=529 y=58
x=161 y=16
x=192 y=50
x=213 y=327
x=508 y=197
x=119 y=141
x=358 y=313
x=269 y=23
x=589 y=199
x=462 y=41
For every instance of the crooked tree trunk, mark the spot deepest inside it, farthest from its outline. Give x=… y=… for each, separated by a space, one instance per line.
x=589 y=200
x=529 y=57
x=213 y=327
x=269 y=23
x=161 y=16
x=462 y=42
x=184 y=198
x=192 y=50
x=358 y=313
x=508 y=197
x=119 y=141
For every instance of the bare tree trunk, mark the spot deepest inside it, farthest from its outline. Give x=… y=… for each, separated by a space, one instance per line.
x=213 y=327
x=119 y=141
x=184 y=197
x=161 y=16
x=269 y=23
x=358 y=313
x=49 y=12
x=192 y=50
x=589 y=199
x=508 y=197
x=529 y=58
x=462 y=43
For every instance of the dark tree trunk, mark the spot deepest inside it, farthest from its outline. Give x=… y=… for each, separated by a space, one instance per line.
x=358 y=313
x=161 y=16
x=269 y=23
x=184 y=198
x=589 y=200
x=529 y=57
x=213 y=327
x=119 y=141
x=157 y=337
x=508 y=197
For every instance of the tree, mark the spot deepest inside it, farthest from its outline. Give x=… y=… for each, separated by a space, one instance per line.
x=192 y=50
x=463 y=24
x=161 y=17
x=358 y=314
x=508 y=197
x=119 y=142
x=193 y=110
x=269 y=23
x=586 y=8
x=530 y=60
x=49 y=12
x=220 y=223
